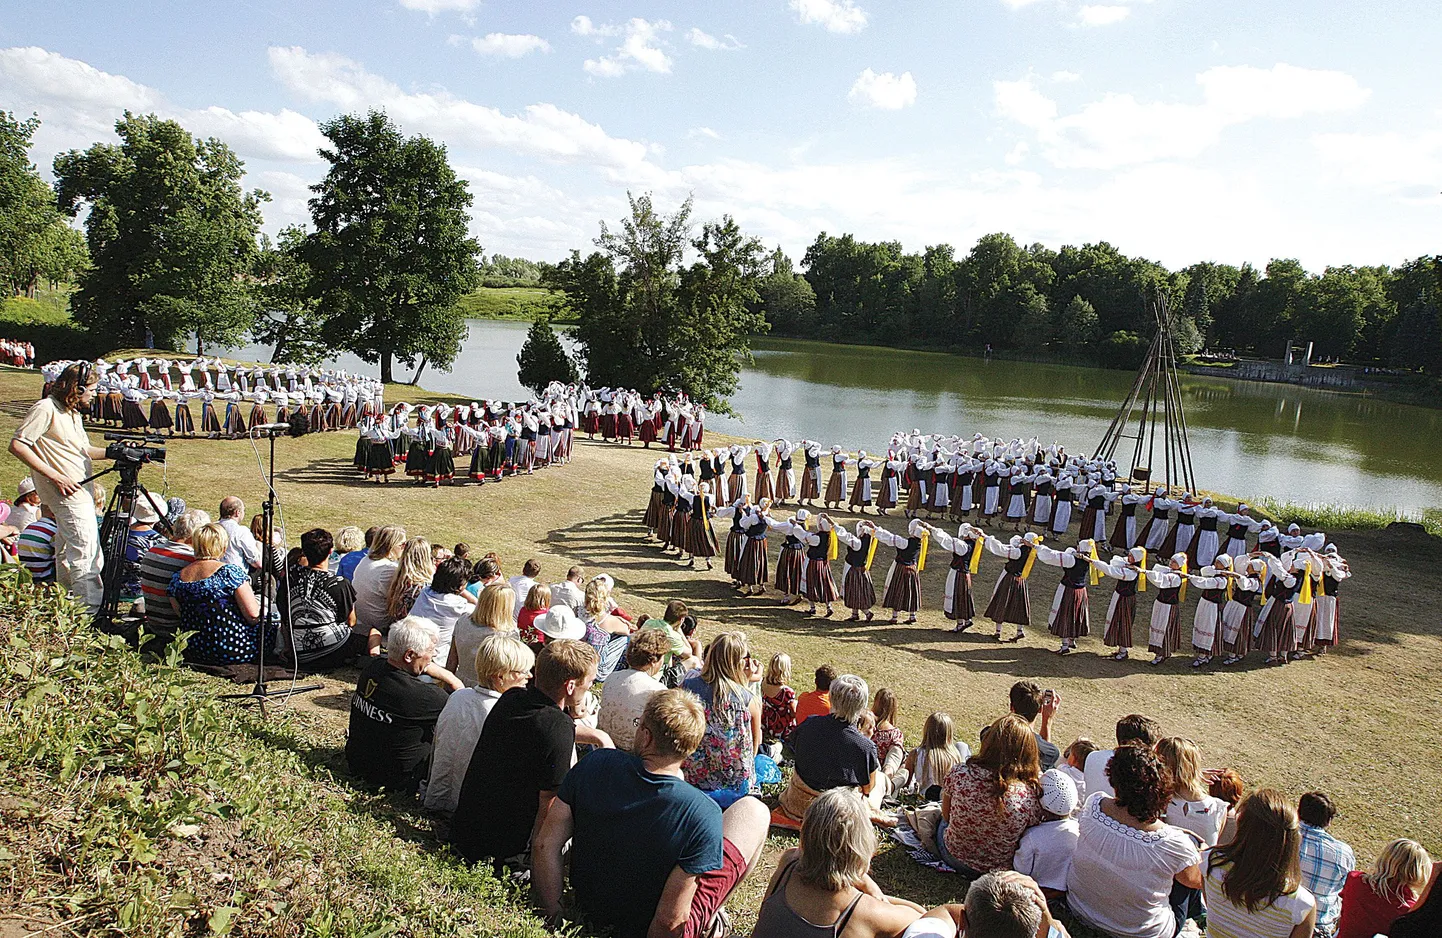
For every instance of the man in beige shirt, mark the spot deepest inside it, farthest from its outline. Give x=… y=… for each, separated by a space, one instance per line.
x=51 y=441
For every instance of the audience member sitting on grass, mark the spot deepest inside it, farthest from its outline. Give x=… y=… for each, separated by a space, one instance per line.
x=998 y=905
x=349 y=543
x=166 y=558
x=649 y=854
x=831 y=752
x=1132 y=728
x=241 y=547
x=537 y=602
x=815 y=703
x=571 y=591
x=826 y=878
x=1192 y=808
x=445 y=602
x=352 y=558
x=501 y=663
x=1253 y=884
x=522 y=582
x=679 y=655
x=1425 y=919
x=1131 y=868
x=925 y=768
x=523 y=753
x=990 y=800
x=149 y=508
x=215 y=601
x=1046 y=849
x=1227 y=786
x=35 y=547
x=1073 y=763
x=889 y=740
x=486 y=572
x=1326 y=861
x=1371 y=902
x=373 y=576
x=317 y=608
x=606 y=630
x=1030 y=702
x=725 y=762
x=491 y=616
x=414 y=571
x=393 y=712
x=627 y=691
x=778 y=704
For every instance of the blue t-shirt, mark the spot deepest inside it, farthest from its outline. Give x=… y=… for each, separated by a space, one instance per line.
x=347 y=564
x=631 y=828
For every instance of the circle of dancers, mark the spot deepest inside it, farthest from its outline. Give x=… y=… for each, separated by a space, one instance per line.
x=1258 y=588
x=16 y=353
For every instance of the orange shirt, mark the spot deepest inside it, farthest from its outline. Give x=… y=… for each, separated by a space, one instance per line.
x=812 y=703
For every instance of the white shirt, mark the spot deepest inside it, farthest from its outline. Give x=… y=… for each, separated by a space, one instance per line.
x=1045 y=852
x=522 y=586
x=443 y=609
x=457 y=730
x=1275 y=920
x=621 y=705
x=1077 y=776
x=243 y=551
x=1096 y=772
x=372 y=582
x=1205 y=818
x=567 y=593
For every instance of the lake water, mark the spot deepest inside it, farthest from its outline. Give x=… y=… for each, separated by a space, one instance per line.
x=1251 y=439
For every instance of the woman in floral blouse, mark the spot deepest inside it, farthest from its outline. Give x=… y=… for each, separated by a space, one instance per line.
x=890 y=744
x=990 y=800
x=724 y=765
x=778 y=700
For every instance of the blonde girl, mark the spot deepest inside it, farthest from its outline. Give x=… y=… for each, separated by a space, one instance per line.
x=413 y=574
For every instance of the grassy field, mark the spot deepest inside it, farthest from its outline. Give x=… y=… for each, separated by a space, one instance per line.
x=1359 y=723
x=516 y=304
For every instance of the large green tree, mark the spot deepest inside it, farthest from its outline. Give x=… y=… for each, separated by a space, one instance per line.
x=35 y=242
x=543 y=358
x=390 y=253
x=172 y=235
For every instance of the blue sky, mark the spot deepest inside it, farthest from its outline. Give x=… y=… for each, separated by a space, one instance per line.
x=1181 y=130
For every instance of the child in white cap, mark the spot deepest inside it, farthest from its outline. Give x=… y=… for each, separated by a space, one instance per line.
x=1046 y=850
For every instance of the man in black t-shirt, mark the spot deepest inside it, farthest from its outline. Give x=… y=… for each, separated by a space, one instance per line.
x=317 y=609
x=1028 y=701
x=393 y=713
x=524 y=752
x=830 y=751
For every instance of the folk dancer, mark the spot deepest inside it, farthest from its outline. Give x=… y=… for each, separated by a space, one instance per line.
x=958 y=603
x=991 y=492
x=737 y=513
x=903 y=580
x=1018 y=487
x=858 y=593
x=1069 y=617
x=861 y=488
x=938 y=501
x=440 y=463
x=1099 y=497
x=1043 y=499
x=836 y=487
x=1207 y=633
x=919 y=471
x=1273 y=631
x=790 y=561
x=751 y=567
x=378 y=465
x=817 y=583
x=1207 y=543
x=1068 y=489
x=1010 y=601
x=889 y=492
x=1239 y=615
x=1165 y=635
x=736 y=483
x=1327 y=624
x=1179 y=540
x=785 y=472
x=1155 y=532
x=1239 y=525
x=652 y=518
x=1129 y=570
x=1124 y=532
x=765 y=481
x=700 y=538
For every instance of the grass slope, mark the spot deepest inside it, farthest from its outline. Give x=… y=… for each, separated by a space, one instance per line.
x=1358 y=723
x=516 y=304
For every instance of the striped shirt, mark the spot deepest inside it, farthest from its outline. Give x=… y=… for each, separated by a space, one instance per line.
x=157 y=565
x=1274 y=920
x=36 y=550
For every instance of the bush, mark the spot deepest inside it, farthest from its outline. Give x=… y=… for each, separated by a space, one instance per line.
x=47 y=326
x=1123 y=350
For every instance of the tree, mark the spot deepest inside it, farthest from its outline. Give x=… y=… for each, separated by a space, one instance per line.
x=35 y=242
x=543 y=359
x=787 y=300
x=288 y=319
x=172 y=236
x=1077 y=325
x=390 y=253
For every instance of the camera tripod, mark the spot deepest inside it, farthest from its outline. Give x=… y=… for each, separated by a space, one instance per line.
x=114 y=533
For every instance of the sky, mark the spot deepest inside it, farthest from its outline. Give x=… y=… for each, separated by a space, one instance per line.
x=1178 y=130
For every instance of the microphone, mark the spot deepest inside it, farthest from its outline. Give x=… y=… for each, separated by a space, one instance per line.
x=270 y=428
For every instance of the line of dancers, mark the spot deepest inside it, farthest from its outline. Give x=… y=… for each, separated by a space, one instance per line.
x=1279 y=597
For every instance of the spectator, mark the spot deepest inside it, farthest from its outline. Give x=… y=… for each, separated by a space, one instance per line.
x=1226 y=785
x=492 y=615
x=606 y=631
x=276 y=552
x=1326 y=861
x=35 y=547
x=827 y=878
x=522 y=583
x=166 y=558
x=145 y=515
x=1191 y=808
x=560 y=622
x=214 y=600
x=649 y=854
x=463 y=551
x=1127 y=858
x=484 y=574
x=1029 y=702
x=1371 y=902
x=1046 y=849
x=725 y=762
x=27 y=505
x=440 y=554
x=414 y=571
x=393 y=712
x=243 y=551
x=1074 y=761
x=816 y=702
x=926 y=767
x=679 y=659
x=571 y=591
x=831 y=752
x=538 y=600
x=1254 y=883
x=373 y=576
x=317 y=607
x=627 y=691
x=1132 y=728
x=990 y=800
x=445 y=602
x=890 y=743
x=1425 y=919
x=778 y=704
x=501 y=663
x=348 y=540
x=522 y=755
x=353 y=555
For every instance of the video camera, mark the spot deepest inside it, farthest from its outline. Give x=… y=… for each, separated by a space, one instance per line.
x=134 y=448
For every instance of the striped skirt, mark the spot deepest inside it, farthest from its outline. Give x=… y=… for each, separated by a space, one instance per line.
x=1121 y=613
x=1165 y=635
x=818 y=585
x=184 y=423
x=1072 y=618
x=959 y=604
x=857 y=590
x=811 y=484
x=1010 y=601
x=653 y=507
x=735 y=545
x=751 y=566
x=208 y=421
x=788 y=571
x=700 y=539
x=1237 y=623
x=903 y=588
x=1274 y=631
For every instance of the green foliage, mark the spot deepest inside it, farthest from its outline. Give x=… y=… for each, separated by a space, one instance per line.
x=172 y=236
x=1077 y=327
x=289 y=319
x=543 y=359
x=390 y=254
x=45 y=322
x=501 y=271
x=1124 y=350
x=525 y=304
x=35 y=242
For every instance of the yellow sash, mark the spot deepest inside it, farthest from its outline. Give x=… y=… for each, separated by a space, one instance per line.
x=1182 y=590
x=871 y=552
x=1030 y=559
x=1096 y=575
x=921 y=557
x=975 y=555
x=831 y=544
x=1142 y=573
x=1306 y=595
x=1230 y=583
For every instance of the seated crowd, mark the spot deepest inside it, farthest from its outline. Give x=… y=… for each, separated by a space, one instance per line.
x=552 y=731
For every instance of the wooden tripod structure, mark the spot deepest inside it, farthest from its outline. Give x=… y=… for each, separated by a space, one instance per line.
x=1154 y=404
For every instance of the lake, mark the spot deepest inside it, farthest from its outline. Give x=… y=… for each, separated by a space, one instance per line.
x=1252 y=439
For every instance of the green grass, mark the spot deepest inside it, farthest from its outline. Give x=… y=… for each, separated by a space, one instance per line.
x=1313 y=515
x=517 y=304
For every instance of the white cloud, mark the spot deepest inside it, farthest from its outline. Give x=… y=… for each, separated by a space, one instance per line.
x=640 y=47
x=887 y=91
x=706 y=132
x=1018 y=153
x=509 y=45
x=705 y=40
x=837 y=16
x=1119 y=130
x=1408 y=165
x=1102 y=14
x=1065 y=77
x=1018 y=4
x=434 y=7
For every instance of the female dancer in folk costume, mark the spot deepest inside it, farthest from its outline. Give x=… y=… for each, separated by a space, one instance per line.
x=1326 y=621
x=765 y=481
x=652 y=517
x=378 y=463
x=861 y=488
x=1068 y=490
x=681 y=516
x=965 y=470
x=1010 y=601
x=1155 y=532
x=1207 y=544
x=698 y=426
x=591 y=416
x=736 y=482
x=1130 y=573
x=785 y=472
x=858 y=593
x=700 y=537
x=918 y=472
x=440 y=461
x=1308 y=564
x=811 y=476
x=184 y=420
x=1018 y=487
x=1269 y=539
x=416 y=448
x=234 y=420
x=334 y=398
x=990 y=488
x=1043 y=499
x=998 y=498
x=836 y=487
x=161 y=417
x=736 y=513
x=542 y=420
x=938 y=500
x=1165 y=635
x=751 y=567
x=1274 y=631
x=1179 y=539
x=625 y=423
x=479 y=439
x=526 y=445
x=258 y=400
x=889 y=492
x=1239 y=615
x=1238 y=525
x=957 y=603
x=817 y=583
x=1099 y=497
x=645 y=417
x=790 y=560
x=1070 y=615
x=903 y=580
x=1124 y=532
x=1207 y=635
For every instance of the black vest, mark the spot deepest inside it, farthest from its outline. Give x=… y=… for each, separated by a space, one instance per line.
x=1065 y=495
x=1168 y=595
x=1128 y=587
x=1237 y=532
x=863 y=473
x=765 y=463
x=1215 y=596
x=1097 y=501
x=856 y=556
x=786 y=464
x=706 y=474
x=812 y=462
x=1076 y=575
x=906 y=556
x=1209 y=524
x=1186 y=517
x=1014 y=567
x=791 y=543
x=1129 y=509
x=1329 y=584
x=1160 y=514
x=819 y=551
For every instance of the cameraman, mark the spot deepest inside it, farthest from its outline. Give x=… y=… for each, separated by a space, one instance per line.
x=51 y=440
